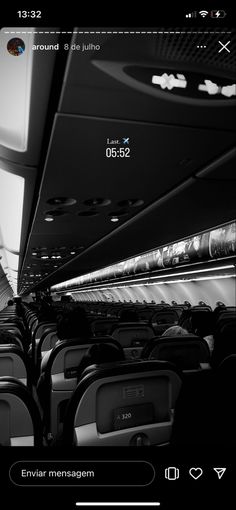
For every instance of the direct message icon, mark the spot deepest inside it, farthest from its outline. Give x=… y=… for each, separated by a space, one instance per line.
x=220 y=472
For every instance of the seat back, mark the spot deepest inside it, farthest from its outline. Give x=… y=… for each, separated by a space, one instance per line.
x=198 y=320
x=225 y=338
x=225 y=421
x=13 y=363
x=178 y=309
x=163 y=319
x=205 y=411
x=33 y=322
x=227 y=368
x=41 y=328
x=187 y=352
x=19 y=415
x=202 y=307
x=102 y=327
x=11 y=327
x=16 y=340
x=145 y=313
x=14 y=323
x=60 y=379
x=226 y=319
x=132 y=336
x=123 y=404
x=46 y=342
x=194 y=420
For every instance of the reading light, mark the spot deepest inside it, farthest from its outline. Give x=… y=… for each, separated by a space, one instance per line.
x=169 y=81
x=48 y=218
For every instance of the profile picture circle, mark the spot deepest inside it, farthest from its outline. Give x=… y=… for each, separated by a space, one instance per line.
x=16 y=46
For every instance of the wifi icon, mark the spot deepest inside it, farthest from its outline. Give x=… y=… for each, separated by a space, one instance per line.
x=203 y=13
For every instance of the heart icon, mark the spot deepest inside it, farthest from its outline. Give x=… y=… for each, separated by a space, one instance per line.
x=196 y=472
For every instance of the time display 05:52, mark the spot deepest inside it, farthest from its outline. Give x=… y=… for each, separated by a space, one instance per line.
x=122 y=152
x=29 y=14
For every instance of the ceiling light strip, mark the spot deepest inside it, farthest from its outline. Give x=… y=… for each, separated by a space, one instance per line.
x=146 y=280
x=174 y=274
x=90 y=289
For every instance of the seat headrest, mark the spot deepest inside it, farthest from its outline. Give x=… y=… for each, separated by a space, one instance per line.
x=186 y=351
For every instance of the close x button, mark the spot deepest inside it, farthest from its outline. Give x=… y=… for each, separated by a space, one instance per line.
x=224 y=47
x=82 y=473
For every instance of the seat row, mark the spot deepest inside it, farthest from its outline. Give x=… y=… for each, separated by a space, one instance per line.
x=129 y=404
x=63 y=371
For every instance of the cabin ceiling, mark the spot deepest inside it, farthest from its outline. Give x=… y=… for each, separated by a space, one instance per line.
x=179 y=179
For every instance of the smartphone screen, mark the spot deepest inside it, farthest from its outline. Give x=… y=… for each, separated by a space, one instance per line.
x=117 y=258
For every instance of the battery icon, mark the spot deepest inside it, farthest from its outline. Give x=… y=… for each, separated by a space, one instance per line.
x=218 y=14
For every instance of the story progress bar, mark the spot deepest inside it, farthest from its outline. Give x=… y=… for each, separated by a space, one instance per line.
x=119 y=504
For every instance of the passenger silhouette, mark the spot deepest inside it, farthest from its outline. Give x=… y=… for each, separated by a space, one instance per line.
x=220 y=307
x=204 y=414
x=46 y=312
x=193 y=418
x=224 y=346
x=74 y=324
x=100 y=353
x=175 y=330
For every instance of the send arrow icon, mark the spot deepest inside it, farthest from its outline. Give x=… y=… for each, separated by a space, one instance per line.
x=219 y=472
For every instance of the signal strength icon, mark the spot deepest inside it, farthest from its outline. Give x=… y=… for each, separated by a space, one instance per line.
x=203 y=13
x=191 y=15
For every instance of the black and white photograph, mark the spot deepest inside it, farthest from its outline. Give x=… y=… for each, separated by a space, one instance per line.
x=117 y=244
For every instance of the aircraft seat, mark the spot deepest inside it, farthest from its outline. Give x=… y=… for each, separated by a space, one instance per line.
x=19 y=415
x=102 y=327
x=132 y=336
x=58 y=379
x=123 y=404
x=14 y=363
x=187 y=352
x=162 y=319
